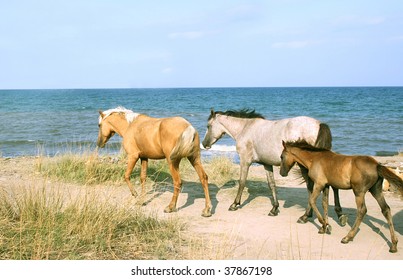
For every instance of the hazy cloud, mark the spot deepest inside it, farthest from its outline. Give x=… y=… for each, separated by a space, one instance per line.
x=186 y=35
x=294 y=44
x=358 y=20
x=167 y=70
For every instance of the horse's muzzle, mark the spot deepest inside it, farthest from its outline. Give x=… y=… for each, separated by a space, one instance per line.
x=283 y=173
x=207 y=147
x=100 y=143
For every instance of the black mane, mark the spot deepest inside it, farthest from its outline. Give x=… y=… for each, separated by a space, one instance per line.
x=243 y=113
x=302 y=144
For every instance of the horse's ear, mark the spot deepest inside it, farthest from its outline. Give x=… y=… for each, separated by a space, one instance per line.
x=212 y=112
x=101 y=113
x=284 y=144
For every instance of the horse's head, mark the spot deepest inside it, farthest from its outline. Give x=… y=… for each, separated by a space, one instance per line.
x=214 y=132
x=113 y=121
x=105 y=130
x=287 y=160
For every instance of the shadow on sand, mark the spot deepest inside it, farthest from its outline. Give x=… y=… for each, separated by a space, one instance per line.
x=298 y=197
x=291 y=196
x=162 y=182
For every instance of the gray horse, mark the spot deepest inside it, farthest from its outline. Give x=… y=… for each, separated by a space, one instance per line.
x=260 y=141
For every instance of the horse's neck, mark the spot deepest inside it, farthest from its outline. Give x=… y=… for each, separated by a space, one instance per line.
x=119 y=124
x=233 y=125
x=303 y=157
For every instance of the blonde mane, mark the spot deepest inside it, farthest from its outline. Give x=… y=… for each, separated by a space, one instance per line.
x=129 y=114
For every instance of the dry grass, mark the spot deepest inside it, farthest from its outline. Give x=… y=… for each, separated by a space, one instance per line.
x=89 y=169
x=38 y=223
x=220 y=170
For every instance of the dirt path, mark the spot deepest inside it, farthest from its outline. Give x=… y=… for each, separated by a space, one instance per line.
x=249 y=233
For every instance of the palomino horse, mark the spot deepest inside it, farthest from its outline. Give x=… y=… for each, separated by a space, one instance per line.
x=146 y=138
x=359 y=173
x=259 y=140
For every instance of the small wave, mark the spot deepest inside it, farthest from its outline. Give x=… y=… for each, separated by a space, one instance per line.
x=19 y=142
x=220 y=148
x=385 y=153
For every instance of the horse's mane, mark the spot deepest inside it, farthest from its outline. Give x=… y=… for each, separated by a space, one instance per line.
x=243 y=113
x=302 y=144
x=129 y=114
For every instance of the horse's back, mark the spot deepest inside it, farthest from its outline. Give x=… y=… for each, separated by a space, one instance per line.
x=366 y=165
x=173 y=125
x=170 y=126
x=154 y=137
x=290 y=129
x=268 y=136
x=301 y=127
x=346 y=171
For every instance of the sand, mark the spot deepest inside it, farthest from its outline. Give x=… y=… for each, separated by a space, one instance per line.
x=249 y=233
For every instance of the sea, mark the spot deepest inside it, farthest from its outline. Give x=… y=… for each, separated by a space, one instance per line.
x=363 y=120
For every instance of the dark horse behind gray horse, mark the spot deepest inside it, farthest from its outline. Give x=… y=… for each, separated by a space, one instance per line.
x=260 y=141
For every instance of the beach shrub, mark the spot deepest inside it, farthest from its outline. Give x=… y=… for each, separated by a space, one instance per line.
x=220 y=170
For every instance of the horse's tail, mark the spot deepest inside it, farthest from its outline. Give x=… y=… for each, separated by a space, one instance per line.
x=186 y=144
x=391 y=177
x=324 y=138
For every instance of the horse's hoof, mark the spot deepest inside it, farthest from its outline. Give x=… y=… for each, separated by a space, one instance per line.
x=233 y=207
x=273 y=213
x=346 y=239
x=206 y=214
x=343 y=220
x=169 y=210
x=393 y=249
x=302 y=220
x=327 y=229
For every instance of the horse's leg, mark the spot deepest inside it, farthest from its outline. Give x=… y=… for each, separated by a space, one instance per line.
x=242 y=182
x=174 y=168
x=325 y=205
x=309 y=186
x=131 y=162
x=361 y=211
x=143 y=177
x=195 y=161
x=376 y=192
x=143 y=174
x=312 y=201
x=337 y=208
x=272 y=185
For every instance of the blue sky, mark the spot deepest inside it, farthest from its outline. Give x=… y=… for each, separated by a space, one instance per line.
x=132 y=44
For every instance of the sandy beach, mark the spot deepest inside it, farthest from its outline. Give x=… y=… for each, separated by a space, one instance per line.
x=249 y=233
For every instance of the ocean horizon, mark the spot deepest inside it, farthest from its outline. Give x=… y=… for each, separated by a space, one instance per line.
x=363 y=120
